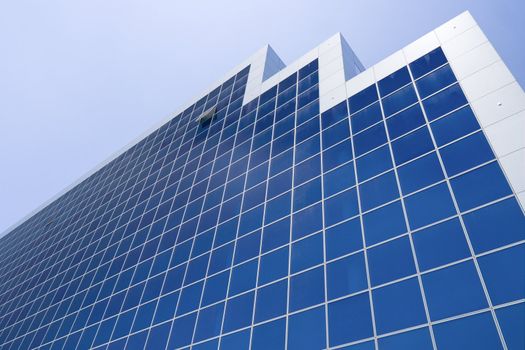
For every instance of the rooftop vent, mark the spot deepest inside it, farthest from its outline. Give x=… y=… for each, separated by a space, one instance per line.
x=206 y=115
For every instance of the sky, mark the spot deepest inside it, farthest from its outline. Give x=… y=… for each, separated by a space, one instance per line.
x=81 y=79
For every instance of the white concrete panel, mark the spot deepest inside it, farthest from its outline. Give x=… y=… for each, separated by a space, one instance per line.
x=330 y=83
x=421 y=46
x=499 y=104
x=332 y=98
x=474 y=60
x=360 y=82
x=455 y=26
x=514 y=167
x=333 y=41
x=326 y=57
x=521 y=199
x=464 y=43
x=389 y=65
x=486 y=81
x=507 y=135
x=330 y=69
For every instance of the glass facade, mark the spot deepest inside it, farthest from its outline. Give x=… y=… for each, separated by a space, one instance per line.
x=385 y=222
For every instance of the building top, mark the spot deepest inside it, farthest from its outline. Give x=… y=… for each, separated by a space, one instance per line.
x=341 y=75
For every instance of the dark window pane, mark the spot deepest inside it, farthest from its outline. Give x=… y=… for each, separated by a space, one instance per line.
x=420 y=173
x=505 y=218
x=444 y=102
x=346 y=276
x=453 y=291
x=271 y=301
x=339 y=179
x=412 y=145
x=363 y=98
x=454 y=125
x=429 y=206
x=341 y=207
x=349 y=320
x=307 y=330
x=269 y=335
x=394 y=81
x=480 y=186
x=384 y=223
x=398 y=306
x=440 y=244
x=405 y=121
x=428 y=62
x=366 y=117
x=390 y=261
x=374 y=163
x=399 y=100
x=307 y=252
x=435 y=81
x=307 y=289
x=335 y=114
x=466 y=153
x=343 y=239
x=417 y=339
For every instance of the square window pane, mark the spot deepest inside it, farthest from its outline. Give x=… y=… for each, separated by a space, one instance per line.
x=349 y=320
x=346 y=276
x=429 y=206
x=307 y=289
x=391 y=261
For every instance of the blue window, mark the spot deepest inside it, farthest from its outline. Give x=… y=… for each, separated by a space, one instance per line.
x=417 y=339
x=398 y=306
x=308 y=82
x=512 y=324
x=346 y=276
x=349 y=320
x=503 y=272
x=428 y=62
x=505 y=218
x=366 y=117
x=307 y=289
x=335 y=114
x=444 y=102
x=307 y=221
x=276 y=235
x=280 y=184
x=440 y=244
x=405 y=121
x=379 y=190
x=343 y=239
x=225 y=232
x=399 y=100
x=183 y=328
x=412 y=145
x=369 y=139
x=144 y=316
x=453 y=291
x=250 y=220
x=166 y=307
x=274 y=265
x=243 y=277
x=271 y=301
x=283 y=126
x=173 y=279
x=269 y=335
x=307 y=148
x=209 y=345
x=158 y=337
x=215 y=288
x=336 y=133
x=435 y=81
x=363 y=98
x=307 y=252
x=384 y=223
x=307 y=330
x=239 y=340
x=307 y=130
x=281 y=162
x=429 y=206
x=466 y=153
x=124 y=323
x=308 y=69
x=282 y=143
x=259 y=174
x=394 y=81
x=278 y=207
x=374 y=163
x=253 y=197
x=307 y=112
x=190 y=298
x=197 y=269
x=307 y=194
x=454 y=125
x=209 y=322
x=339 y=179
x=341 y=207
x=247 y=247
x=307 y=170
x=239 y=312
x=391 y=261
x=480 y=186
x=221 y=258
x=420 y=173
x=473 y=332
x=288 y=82
x=337 y=155
x=202 y=243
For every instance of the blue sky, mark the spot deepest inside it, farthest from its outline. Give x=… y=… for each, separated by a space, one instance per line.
x=81 y=79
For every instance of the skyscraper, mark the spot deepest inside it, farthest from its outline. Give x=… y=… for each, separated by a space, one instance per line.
x=309 y=206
